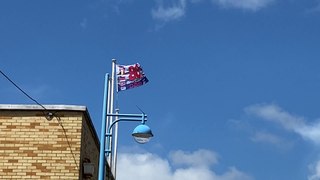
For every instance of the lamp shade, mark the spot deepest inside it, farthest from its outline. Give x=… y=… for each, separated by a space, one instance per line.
x=142 y=134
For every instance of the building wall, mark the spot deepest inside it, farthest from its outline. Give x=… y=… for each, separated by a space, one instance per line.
x=89 y=147
x=31 y=147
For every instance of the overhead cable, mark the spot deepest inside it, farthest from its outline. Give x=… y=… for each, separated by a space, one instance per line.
x=48 y=114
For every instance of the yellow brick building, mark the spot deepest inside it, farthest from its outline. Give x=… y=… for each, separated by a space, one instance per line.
x=34 y=147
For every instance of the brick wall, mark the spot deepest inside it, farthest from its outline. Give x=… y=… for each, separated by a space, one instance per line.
x=31 y=147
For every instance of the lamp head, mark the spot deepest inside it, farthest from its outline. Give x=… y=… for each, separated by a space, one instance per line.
x=142 y=134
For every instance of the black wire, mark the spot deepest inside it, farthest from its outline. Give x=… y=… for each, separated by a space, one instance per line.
x=69 y=144
x=49 y=116
x=26 y=94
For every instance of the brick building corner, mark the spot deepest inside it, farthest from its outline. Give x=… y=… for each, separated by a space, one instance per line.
x=33 y=147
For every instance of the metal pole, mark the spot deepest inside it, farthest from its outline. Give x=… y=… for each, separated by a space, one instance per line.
x=103 y=130
x=108 y=110
x=115 y=148
x=113 y=72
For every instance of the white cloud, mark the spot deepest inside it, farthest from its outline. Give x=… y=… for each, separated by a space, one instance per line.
x=198 y=158
x=269 y=138
x=288 y=121
x=253 y=5
x=179 y=7
x=175 y=12
x=293 y=123
x=315 y=171
x=266 y=137
x=151 y=166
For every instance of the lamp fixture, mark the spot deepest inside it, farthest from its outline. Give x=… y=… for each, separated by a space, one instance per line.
x=142 y=134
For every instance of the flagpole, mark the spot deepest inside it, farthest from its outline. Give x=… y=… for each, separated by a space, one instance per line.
x=115 y=140
x=111 y=110
x=108 y=118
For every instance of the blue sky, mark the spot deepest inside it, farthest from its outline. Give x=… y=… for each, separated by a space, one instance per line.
x=234 y=84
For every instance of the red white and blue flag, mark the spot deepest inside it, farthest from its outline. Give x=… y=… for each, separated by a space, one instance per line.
x=130 y=76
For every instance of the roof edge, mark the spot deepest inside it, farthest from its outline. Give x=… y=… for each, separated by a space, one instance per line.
x=37 y=107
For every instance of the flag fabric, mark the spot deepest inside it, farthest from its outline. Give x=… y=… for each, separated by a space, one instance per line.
x=130 y=76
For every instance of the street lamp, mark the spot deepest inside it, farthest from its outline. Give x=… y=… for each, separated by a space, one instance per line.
x=142 y=133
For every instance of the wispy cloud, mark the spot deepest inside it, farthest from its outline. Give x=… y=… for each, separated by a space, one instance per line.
x=261 y=136
x=293 y=123
x=198 y=158
x=196 y=165
x=253 y=5
x=315 y=169
x=270 y=138
x=173 y=12
x=178 y=9
x=266 y=137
